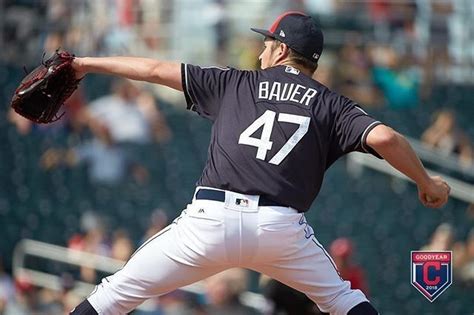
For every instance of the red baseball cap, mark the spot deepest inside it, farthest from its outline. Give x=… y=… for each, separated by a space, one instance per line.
x=299 y=31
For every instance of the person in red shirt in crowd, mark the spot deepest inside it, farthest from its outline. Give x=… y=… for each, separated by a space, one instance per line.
x=341 y=251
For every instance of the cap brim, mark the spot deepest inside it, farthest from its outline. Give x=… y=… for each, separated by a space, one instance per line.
x=263 y=32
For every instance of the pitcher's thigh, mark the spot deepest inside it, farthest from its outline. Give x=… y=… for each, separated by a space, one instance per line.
x=156 y=268
x=311 y=270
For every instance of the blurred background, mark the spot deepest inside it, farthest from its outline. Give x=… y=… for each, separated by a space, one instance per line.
x=77 y=197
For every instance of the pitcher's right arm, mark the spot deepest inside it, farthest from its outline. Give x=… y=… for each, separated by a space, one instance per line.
x=433 y=191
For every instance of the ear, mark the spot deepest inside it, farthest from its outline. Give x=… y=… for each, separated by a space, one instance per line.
x=283 y=52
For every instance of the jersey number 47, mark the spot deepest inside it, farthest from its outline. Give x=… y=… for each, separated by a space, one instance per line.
x=264 y=144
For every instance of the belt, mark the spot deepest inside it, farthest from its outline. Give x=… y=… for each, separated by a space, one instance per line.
x=219 y=195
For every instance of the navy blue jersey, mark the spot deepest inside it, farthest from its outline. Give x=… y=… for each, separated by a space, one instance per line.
x=275 y=131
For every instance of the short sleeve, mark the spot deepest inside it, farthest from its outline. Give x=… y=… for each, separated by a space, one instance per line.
x=352 y=126
x=204 y=87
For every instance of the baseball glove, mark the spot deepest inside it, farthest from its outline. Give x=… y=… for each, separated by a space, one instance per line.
x=44 y=90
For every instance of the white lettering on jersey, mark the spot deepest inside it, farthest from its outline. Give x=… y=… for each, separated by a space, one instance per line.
x=284 y=92
x=275 y=91
x=263 y=144
x=310 y=93
x=288 y=89
x=263 y=90
x=296 y=92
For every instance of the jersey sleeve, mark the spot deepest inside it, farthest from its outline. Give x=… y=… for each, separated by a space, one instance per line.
x=352 y=125
x=204 y=87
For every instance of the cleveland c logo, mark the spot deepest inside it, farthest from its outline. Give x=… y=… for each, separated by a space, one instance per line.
x=431 y=272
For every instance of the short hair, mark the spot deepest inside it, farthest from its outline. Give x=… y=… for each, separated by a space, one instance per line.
x=297 y=57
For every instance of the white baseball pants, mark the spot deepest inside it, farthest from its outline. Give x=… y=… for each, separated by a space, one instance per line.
x=211 y=236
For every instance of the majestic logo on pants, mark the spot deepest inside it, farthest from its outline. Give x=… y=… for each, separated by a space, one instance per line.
x=431 y=272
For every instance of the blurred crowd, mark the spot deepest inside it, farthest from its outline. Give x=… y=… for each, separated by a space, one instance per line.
x=108 y=134
x=84 y=26
x=383 y=54
x=412 y=42
x=444 y=238
x=448 y=138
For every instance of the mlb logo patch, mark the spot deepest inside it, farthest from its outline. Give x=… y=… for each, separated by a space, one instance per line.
x=431 y=272
x=290 y=69
x=242 y=202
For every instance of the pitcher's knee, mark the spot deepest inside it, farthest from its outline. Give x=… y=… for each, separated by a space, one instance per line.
x=113 y=297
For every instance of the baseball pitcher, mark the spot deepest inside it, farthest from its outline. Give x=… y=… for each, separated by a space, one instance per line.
x=275 y=133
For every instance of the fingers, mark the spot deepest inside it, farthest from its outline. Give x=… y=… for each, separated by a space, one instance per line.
x=435 y=196
x=435 y=202
x=445 y=185
x=431 y=203
x=425 y=199
x=448 y=187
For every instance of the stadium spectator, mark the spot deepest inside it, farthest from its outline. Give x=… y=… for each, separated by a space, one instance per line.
x=129 y=114
x=463 y=252
x=342 y=250
x=223 y=290
x=466 y=272
x=128 y=122
x=156 y=222
x=439 y=36
x=445 y=135
x=394 y=21
x=122 y=245
x=399 y=83
x=218 y=18
x=27 y=300
x=470 y=212
x=353 y=77
x=93 y=240
x=23 y=126
x=180 y=302
x=20 y=32
x=67 y=297
x=108 y=163
x=442 y=238
x=69 y=301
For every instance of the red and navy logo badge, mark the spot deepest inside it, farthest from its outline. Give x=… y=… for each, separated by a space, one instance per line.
x=431 y=272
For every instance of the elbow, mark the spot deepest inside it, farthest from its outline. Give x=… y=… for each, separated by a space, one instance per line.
x=382 y=137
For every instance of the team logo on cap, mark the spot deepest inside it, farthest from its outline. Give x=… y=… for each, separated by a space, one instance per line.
x=315 y=55
x=282 y=34
x=431 y=272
